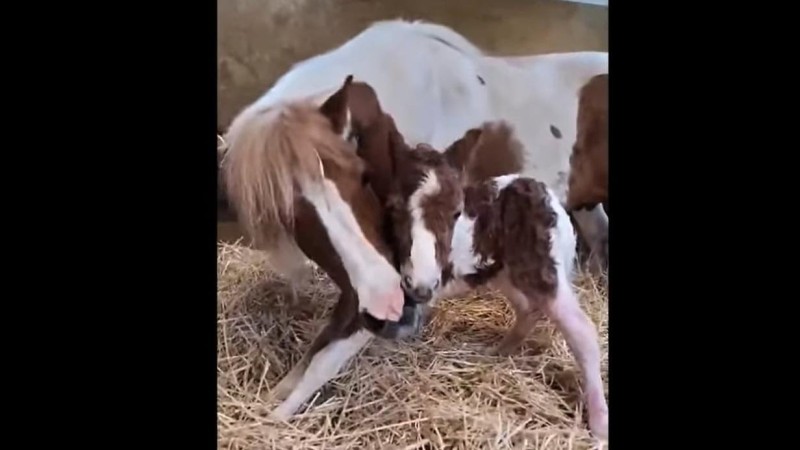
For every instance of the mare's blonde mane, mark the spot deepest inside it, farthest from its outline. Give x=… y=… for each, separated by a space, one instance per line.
x=271 y=152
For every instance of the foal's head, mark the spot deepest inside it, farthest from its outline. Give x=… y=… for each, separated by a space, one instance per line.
x=424 y=201
x=427 y=196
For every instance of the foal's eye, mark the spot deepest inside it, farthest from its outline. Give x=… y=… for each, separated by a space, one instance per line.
x=364 y=179
x=456 y=215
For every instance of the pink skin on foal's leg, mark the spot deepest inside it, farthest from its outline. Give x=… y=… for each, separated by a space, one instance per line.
x=581 y=336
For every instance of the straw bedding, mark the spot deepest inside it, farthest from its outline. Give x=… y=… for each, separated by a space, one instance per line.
x=438 y=390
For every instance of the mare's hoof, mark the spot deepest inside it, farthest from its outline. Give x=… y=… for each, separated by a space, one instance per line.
x=409 y=325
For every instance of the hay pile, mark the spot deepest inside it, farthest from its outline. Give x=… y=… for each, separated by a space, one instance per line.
x=439 y=390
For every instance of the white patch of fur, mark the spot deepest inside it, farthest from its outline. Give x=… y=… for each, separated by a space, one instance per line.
x=563 y=242
x=369 y=272
x=420 y=67
x=324 y=365
x=534 y=92
x=348 y=126
x=422 y=267
x=503 y=181
x=462 y=253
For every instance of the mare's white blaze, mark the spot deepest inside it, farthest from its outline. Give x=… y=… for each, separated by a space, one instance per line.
x=373 y=278
x=422 y=266
x=324 y=365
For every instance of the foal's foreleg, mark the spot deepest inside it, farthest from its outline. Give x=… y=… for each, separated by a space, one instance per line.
x=593 y=228
x=581 y=336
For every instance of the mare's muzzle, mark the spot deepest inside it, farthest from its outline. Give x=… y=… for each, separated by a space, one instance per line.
x=410 y=322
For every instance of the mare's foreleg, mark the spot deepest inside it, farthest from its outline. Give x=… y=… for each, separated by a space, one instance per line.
x=582 y=339
x=593 y=228
x=341 y=339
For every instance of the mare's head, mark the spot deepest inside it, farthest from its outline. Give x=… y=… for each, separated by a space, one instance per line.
x=588 y=180
x=292 y=163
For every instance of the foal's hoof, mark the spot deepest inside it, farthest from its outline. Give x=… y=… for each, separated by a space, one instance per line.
x=496 y=351
x=506 y=347
x=598 y=424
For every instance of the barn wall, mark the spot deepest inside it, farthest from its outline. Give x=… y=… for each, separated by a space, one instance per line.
x=258 y=40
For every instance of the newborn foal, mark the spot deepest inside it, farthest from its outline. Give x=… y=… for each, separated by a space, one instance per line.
x=509 y=232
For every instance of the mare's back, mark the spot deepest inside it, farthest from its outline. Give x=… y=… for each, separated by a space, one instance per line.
x=401 y=61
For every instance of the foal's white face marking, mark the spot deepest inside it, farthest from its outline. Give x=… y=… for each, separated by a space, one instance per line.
x=422 y=268
x=374 y=279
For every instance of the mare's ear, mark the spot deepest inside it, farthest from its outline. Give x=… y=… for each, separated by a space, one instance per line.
x=335 y=107
x=460 y=152
x=398 y=149
x=398 y=152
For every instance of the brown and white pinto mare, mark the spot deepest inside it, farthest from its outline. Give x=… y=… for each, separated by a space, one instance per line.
x=436 y=85
x=283 y=172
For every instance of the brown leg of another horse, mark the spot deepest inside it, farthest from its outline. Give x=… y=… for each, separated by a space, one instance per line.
x=341 y=339
x=527 y=315
x=593 y=228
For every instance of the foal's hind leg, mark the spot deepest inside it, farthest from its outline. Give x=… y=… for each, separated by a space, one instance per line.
x=527 y=314
x=593 y=228
x=581 y=336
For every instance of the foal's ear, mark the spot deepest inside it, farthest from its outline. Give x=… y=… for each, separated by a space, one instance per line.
x=460 y=152
x=335 y=107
